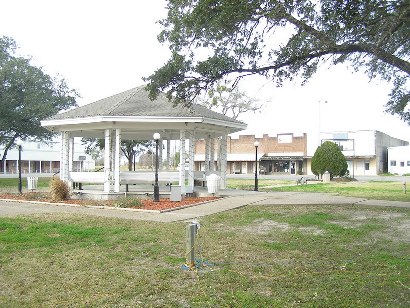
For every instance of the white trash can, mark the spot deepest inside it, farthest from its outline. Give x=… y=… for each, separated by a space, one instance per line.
x=32 y=182
x=175 y=193
x=213 y=183
x=326 y=177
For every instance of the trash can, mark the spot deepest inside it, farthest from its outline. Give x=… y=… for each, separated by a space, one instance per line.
x=326 y=177
x=213 y=182
x=175 y=193
x=32 y=182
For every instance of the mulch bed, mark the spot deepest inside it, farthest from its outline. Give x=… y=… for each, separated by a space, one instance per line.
x=146 y=204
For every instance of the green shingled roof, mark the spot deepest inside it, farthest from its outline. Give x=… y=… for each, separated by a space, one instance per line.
x=135 y=103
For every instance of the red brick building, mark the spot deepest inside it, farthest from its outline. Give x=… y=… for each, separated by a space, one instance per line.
x=283 y=153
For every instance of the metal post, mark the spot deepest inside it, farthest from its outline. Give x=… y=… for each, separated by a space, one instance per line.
x=190 y=244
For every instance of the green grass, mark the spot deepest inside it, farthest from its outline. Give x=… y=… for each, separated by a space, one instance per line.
x=43 y=182
x=369 y=190
x=249 y=184
x=258 y=256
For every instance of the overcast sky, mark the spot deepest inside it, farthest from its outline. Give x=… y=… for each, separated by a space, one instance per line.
x=104 y=47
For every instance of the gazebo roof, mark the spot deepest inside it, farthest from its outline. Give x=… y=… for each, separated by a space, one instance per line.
x=138 y=117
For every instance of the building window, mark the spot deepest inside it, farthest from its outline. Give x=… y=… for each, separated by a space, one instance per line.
x=392 y=163
x=367 y=166
x=408 y=163
x=402 y=164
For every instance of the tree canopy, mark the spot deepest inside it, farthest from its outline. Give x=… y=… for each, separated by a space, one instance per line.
x=282 y=40
x=129 y=148
x=228 y=101
x=329 y=157
x=27 y=96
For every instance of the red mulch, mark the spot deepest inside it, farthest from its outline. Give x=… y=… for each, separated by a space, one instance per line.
x=147 y=204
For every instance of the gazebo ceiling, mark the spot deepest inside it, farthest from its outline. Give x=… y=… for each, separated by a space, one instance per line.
x=138 y=118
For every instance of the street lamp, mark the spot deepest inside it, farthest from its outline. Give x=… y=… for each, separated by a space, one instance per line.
x=157 y=136
x=256 y=144
x=20 y=186
x=134 y=151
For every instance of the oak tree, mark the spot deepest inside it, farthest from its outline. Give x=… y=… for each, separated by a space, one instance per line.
x=281 y=40
x=27 y=96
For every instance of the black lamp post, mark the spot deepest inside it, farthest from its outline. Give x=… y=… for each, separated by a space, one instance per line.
x=20 y=186
x=157 y=136
x=256 y=144
x=134 y=152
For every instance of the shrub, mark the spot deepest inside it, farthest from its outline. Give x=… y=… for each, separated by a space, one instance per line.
x=125 y=202
x=59 y=190
x=328 y=157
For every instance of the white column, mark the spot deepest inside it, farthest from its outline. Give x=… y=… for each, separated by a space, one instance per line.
x=65 y=157
x=182 y=162
x=117 y=160
x=191 y=162
x=168 y=154
x=107 y=161
x=223 y=160
x=161 y=148
x=212 y=155
x=71 y=154
x=207 y=151
x=29 y=166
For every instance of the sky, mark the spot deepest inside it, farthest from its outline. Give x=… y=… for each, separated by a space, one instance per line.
x=103 y=47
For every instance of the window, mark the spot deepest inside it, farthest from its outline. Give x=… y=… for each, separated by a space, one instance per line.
x=402 y=164
x=408 y=163
x=392 y=163
x=366 y=166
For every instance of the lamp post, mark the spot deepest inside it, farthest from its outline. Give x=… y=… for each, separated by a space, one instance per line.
x=134 y=151
x=20 y=186
x=157 y=136
x=256 y=144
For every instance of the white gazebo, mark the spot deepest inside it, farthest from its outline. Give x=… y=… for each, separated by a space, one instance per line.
x=131 y=115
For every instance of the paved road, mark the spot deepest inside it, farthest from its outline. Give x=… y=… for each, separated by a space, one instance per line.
x=236 y=199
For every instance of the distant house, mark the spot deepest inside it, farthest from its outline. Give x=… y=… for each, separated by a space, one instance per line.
x=365 y=150
x=399 y=160
x=37 y=157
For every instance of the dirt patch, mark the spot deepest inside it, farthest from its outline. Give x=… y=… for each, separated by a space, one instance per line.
x=264 y=226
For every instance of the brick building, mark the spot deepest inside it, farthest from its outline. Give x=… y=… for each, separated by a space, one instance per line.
x=283 y=153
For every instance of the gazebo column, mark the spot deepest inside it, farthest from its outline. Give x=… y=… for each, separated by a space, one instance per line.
x=182 y=162
x=71 y=155
x=223 y=160
x=65 y=157
x=212 y=154
x=107 y=161
x=161 y=148
x=191 y=162
x=168 y=154
x=207 y=152
x=117 y=160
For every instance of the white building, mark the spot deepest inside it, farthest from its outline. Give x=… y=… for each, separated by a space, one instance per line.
x=37 y=157
x=399 y=160
x=365 y=150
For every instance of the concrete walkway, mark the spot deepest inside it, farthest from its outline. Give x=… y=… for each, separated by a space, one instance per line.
x=235 y=199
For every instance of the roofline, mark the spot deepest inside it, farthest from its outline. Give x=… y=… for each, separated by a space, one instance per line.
x=142 y=119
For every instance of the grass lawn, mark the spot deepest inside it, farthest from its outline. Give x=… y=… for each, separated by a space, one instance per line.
x=369 y=190
x=43 y=182
x=257 y=256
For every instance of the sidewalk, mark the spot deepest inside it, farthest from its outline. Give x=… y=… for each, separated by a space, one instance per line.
x=235 y=199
